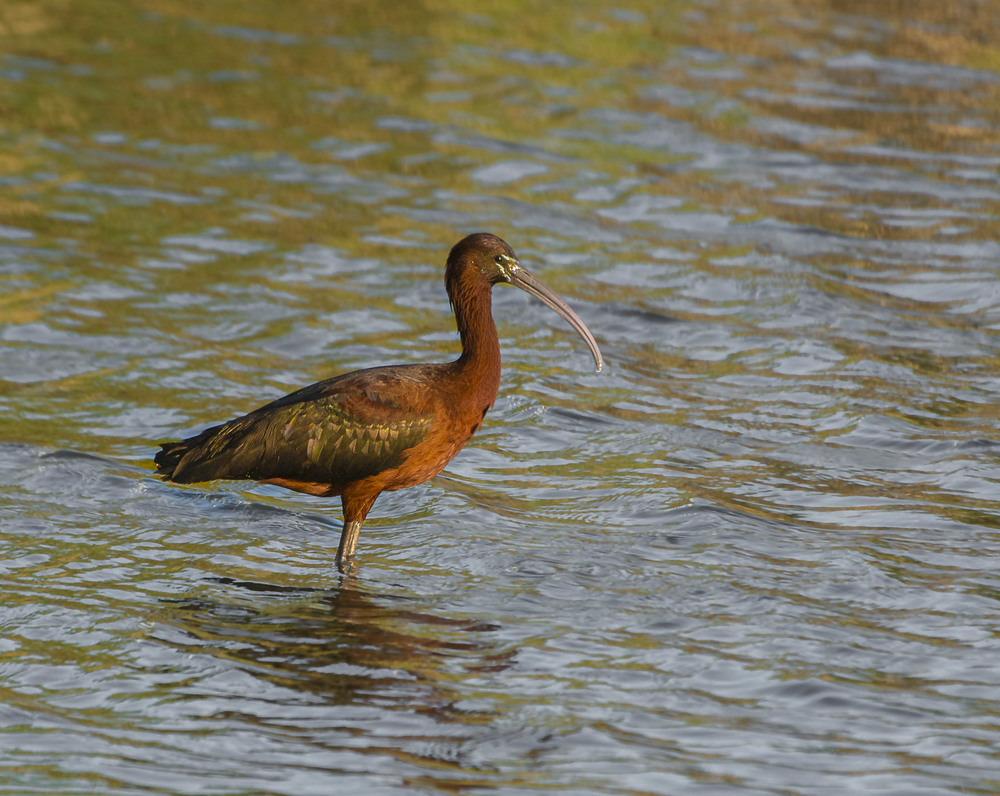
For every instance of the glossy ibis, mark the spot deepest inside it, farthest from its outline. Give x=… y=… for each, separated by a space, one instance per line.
x=362 y=433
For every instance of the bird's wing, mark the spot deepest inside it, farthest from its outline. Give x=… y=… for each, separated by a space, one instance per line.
x=332 y=433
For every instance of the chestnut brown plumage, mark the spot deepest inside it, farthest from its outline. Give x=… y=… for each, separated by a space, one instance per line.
x=385 y=428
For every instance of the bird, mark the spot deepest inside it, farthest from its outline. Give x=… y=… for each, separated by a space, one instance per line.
x=382 y=428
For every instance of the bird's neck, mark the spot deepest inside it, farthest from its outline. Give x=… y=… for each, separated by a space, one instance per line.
x=479 y=364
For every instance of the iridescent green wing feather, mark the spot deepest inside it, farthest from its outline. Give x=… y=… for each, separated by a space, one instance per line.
x=328 y=433
x=324 y=441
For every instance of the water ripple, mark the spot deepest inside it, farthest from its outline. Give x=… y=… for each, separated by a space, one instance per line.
x=753 y=555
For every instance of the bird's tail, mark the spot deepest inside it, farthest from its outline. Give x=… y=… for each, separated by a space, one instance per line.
x=184 y=461
x=168 y=457
x=217 y=452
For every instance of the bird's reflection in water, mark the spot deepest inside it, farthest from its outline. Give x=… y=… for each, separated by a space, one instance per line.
x=329 y=647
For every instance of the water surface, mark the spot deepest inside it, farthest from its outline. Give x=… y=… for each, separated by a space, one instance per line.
x=757 y=554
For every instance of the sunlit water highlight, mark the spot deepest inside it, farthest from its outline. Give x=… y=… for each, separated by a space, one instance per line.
x=757 y=554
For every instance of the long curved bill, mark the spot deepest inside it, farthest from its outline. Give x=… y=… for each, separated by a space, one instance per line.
x=531 y=284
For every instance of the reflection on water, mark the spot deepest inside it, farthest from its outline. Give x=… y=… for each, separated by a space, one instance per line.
x=755 y=554
x=329 y=642
x=329 y=667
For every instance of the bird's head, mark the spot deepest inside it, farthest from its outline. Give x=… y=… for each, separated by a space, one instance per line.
x=487 y=260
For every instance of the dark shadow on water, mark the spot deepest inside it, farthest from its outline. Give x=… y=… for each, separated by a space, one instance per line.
x=339 y=646
x=326 y=667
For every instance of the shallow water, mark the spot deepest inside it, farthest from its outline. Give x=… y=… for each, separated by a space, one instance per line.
x=757 y=554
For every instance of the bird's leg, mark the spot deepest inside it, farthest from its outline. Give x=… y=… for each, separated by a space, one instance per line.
x=357 y=500
x=348 y=543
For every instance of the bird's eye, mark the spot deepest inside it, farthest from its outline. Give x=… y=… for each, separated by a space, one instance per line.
x=499 y=259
